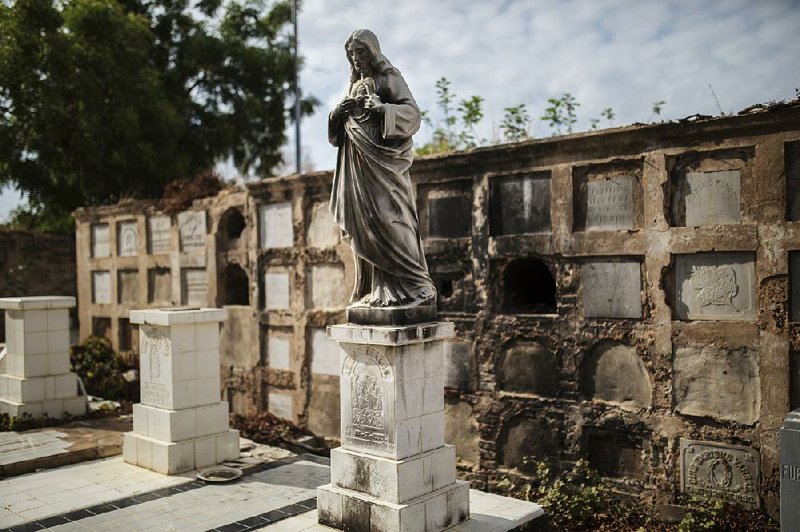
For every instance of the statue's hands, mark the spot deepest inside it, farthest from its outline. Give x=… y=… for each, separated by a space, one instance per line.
x=373 y=104
x=344 y=108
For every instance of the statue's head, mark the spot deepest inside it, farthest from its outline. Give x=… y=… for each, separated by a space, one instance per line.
x=364 y=54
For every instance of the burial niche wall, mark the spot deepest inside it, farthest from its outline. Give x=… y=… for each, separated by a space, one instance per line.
x=446 y=209
x=128 y=287
x=794 y=380
x=159 y=285
x=792 y=164
x=522 y=441
x=794 y=285
x=607 y=197
x=528 y=367
x=527 y=287
x=612 y=289
x=614 y=455
x=715 y=286
x=614 y=373
x=231 y=226
x=520 y=204
x=235 y=286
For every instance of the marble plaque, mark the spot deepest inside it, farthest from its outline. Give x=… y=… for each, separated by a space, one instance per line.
x=718 y=471
x=127 y=239
x=326 y=286
x=160 y=238
x=609 y=204
x=156 y=368
x=101 y=243
x=792 y=158
x=324 y=353
x=280 y=404
x=101 y=287
x=713 y=198
x=194 y=289
x=322 y=231
x=128 y=286
x=715 y=286
x=192 y=230
x=449 y=216
x=520 y=204
x=276 y=226
x=278 y=351
x=794 y=285
x=612 y=289
x=367 y=399
x=276 y=290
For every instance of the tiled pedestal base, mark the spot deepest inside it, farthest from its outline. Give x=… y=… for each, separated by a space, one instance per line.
x=170 y=458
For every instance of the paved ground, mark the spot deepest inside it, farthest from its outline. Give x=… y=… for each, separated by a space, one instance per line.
x=277 y=491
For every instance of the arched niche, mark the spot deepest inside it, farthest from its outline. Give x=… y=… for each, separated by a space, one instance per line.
x=528 y=367
x=528 y=287
x=523 y=441
x=235 y=286
x=614 y=373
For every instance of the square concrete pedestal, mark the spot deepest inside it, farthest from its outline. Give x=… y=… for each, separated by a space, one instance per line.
x=181 y=424
x=37 y=379
x=393 y=471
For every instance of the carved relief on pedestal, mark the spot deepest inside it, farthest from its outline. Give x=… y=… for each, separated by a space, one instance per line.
x=370 y=378
x=155 y=349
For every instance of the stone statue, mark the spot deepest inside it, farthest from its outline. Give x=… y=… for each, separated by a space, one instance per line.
x=372 y=199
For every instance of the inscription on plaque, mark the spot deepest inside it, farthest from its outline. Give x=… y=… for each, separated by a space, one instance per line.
x=155 y=351
x=715 y=286
x=127 y=239
x=101 y=287
x=192 y=230
x=276 y=225
x=719 y=471
x=609 y=204
x=713 y=198
x=100 y=241
x=159 y=229
x=195 y=287
x=368 y=375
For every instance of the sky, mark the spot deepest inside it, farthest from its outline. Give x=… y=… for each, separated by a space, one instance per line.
x=623 y=54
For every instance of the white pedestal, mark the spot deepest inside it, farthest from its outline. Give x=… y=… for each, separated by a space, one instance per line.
x=37 y=381
x=181 y=424
x=393 y=471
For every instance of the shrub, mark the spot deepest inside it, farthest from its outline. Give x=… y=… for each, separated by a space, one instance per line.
x=100 y=368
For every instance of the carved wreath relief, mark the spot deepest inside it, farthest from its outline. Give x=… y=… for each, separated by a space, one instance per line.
x=716 y=285
x=155 y=347
x=368 y=372
x=721 y=473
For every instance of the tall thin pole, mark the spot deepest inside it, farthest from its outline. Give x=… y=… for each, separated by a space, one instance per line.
x=296 y=90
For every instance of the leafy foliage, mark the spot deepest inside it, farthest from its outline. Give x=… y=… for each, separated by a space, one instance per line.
x=453 y=132
x=718 y=516
x=516 y=123
x=100 y=368
x=105 y=99
x=561 y=112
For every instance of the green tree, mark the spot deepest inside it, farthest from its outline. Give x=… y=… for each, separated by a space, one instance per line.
x=471 y=114
x=608 y=114
x=516 y=122
x=453 y=131
x=561 y=112
x=105 y=99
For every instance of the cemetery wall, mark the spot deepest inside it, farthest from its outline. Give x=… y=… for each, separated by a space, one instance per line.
x=624 y=296
x=36 y=264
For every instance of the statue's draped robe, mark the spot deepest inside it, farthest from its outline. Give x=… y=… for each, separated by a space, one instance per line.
x=373 y=199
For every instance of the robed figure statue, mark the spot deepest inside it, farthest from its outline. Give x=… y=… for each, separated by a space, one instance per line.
x=372 y=199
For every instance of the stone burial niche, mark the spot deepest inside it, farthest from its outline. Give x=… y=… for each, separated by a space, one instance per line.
x=520 y=204
x=445 y=211
x=525 y=286
x=607 y=197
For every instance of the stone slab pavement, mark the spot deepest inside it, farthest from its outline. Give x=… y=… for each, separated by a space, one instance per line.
x=277 y=492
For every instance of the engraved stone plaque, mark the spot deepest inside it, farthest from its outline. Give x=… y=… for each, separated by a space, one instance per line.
x=280 y=404
x=520 y=204
x=278 y=349
x=194 y=289
x=192 y=230
x=609 y=204
x=324 y=353
x=715 y=286
x=367 y=387
x=276 y=290
x=155 y=367
x=101 y=287
x=127 y=239
x=101 y=246
x=713 y=198
x=612 y=289
x=718 y=471
x=159 y=229
x=276 y=225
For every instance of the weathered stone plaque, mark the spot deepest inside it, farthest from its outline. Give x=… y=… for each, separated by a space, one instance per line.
x=278 y=351
x=127 y=239
x=520 y=204
x=449 y=215
x=128 y=286
x=280 y=404
x=718 y=471
x=609 y=204
x=790 y=471
x=322 y=231
x=612 y=289
x=194 y=287
x=159 y=237
x=101 y=287
x=794 y=285
x=276 y=290
x=156 y=386
x=324 y=353
x=614 y=373
x=192 y=230
x=101 y=246
x=715 y=286
x=326 y=286
x=276 y=226
x=713 y=198
x=792 y=157
x=718 y=383
x=528 y=367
